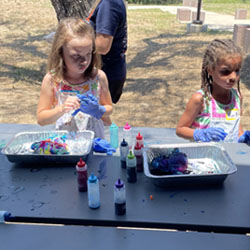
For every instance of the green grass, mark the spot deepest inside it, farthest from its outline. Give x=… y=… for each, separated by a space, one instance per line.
x=152 y=22
x=226 y=6
x=226 y=1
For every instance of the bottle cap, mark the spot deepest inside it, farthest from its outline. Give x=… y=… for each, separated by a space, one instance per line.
x=113 y=125
x=127 y=126
x=92 y=178
x=131 y=155
x=124 y=143
x=119 y=183
x=81 y=163
x=139 y=136
x=4 y=215
x=137 y=146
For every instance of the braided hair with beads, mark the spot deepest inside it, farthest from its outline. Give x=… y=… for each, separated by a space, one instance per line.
x=217 y=50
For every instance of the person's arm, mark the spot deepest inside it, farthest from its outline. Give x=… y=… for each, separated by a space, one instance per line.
x=105 y=97
x=103 y=43
x=193 y=108
x=241 y=131
x=46 y=113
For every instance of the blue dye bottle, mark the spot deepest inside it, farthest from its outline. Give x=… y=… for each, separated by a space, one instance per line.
x=131 y=168
x=93 y=192
x=120 y=198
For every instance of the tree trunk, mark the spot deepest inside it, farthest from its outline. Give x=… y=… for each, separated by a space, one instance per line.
x=72 y=8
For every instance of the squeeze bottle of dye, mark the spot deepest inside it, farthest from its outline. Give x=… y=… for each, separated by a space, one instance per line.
x=131 y=168
x=139 y=139
x=114 y=138
x=93 y=192
x=127 y=134
x=120 y=197
x=124 y=150
x=82 y=175
x=138 y=156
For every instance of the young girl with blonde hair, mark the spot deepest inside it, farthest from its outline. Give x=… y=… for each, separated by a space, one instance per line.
x=213 y=112
x=73 y=82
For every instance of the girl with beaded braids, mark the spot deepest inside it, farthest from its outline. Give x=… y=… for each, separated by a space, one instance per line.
x=213 y=112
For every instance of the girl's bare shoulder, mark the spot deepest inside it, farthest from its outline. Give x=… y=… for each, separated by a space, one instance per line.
x=98 y=73
x=101 y=74
x=48 y=78
x=197 y=98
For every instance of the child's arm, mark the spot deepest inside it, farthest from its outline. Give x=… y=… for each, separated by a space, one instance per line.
x=46 y=113
x=105 y=97
x=193 y=108
x=241 y=131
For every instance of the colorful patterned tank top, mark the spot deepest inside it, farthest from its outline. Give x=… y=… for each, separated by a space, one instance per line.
x=91 y=86
x=81 y=121
x=216 y=110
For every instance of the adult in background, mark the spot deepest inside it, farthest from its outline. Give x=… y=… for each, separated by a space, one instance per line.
x=109 y=19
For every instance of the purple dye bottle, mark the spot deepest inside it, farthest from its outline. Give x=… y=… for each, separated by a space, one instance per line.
x=120 y=198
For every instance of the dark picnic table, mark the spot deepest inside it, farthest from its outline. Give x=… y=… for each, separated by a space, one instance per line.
x=49 y=193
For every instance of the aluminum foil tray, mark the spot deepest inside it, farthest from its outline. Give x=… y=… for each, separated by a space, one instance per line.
x=208 y=163
x=18 y=149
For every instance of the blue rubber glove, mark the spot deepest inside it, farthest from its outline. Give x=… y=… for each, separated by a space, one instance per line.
x=245 y=138
x=103 y=146
x=209 y=134
x=89 y=105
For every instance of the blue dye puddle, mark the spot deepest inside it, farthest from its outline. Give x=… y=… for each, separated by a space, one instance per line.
x=16 y=190
x=4 y=197
x=34 y=170
x=37 y=205
x=102 y=170
x=173 y=195
x=241 y=152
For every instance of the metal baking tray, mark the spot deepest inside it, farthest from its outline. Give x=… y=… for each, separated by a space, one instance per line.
x=18 y=149
x=208 y=163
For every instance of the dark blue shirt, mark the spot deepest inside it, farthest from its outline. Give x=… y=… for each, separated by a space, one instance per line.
x=110 y=18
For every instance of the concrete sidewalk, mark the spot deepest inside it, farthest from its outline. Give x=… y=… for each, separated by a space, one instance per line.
x=213 y=20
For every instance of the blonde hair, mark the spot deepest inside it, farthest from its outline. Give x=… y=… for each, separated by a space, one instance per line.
x=68 y=29
x=216 y=50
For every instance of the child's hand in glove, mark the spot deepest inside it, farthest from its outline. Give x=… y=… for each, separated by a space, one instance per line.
x=245 y=137
x=209 y=134
x=89 y=105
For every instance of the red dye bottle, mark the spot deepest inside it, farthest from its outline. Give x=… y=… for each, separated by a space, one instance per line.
x=139 y=139
x=82 y=175
x=138 y=156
